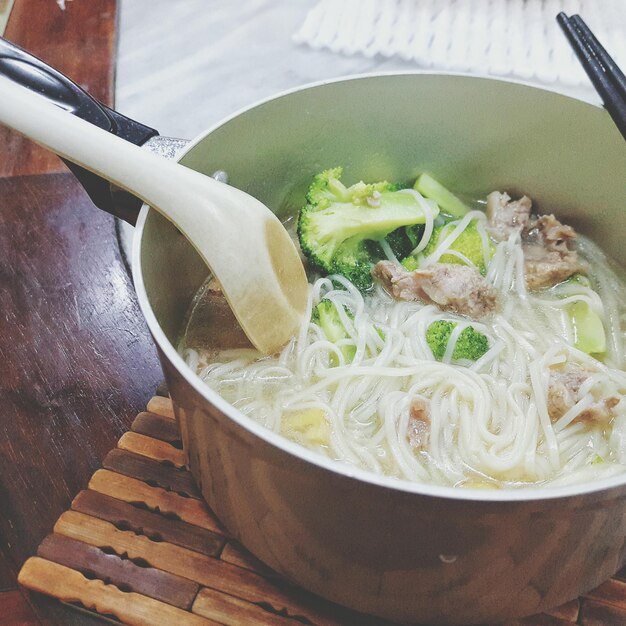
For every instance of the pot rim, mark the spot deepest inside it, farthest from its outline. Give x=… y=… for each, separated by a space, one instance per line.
x=525 y=494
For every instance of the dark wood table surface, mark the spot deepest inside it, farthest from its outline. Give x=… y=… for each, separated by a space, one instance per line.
x=76 y=359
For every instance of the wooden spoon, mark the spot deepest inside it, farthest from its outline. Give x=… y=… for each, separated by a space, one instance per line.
x=244 y=244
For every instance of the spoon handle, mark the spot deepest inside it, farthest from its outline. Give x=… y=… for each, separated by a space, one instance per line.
x=31 y=72
x=147 y=176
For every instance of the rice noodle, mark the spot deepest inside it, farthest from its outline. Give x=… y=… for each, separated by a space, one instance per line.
x=428 y=212
x=489 y=420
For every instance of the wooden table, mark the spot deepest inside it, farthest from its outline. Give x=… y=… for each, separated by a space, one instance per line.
x=76 y=359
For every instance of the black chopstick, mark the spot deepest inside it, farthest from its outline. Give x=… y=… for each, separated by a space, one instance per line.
x=606 y=76
x=602 y=55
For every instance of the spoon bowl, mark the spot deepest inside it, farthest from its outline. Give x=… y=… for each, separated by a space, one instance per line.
x=242 y=242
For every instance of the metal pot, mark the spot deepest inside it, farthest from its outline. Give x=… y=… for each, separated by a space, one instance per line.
x=395 y=549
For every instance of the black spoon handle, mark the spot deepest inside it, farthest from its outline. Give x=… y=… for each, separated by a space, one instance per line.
x=32 y=73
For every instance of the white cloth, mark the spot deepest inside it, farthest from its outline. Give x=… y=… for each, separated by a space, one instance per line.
x=518 y=38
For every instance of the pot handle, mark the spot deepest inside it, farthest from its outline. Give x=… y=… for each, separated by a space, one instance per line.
x=32 y=73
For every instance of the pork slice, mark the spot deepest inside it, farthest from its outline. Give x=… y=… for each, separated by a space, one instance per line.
x=548 y=259
x=418 y=429
x=549 y=232
x=456 y=288
x=564 y=392
x=507 y=216
x=545 y=267
x=397 y=281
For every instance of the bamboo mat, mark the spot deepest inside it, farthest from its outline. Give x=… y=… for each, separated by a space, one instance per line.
x=140 y=546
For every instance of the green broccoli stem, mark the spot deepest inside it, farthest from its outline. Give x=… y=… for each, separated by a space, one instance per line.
x=447 y=201
x=589 y=334
x=326 y=229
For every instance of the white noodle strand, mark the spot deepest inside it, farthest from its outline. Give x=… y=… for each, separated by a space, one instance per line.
x=489 y=420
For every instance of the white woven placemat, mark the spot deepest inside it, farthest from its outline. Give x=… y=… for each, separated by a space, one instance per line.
x=517 y=38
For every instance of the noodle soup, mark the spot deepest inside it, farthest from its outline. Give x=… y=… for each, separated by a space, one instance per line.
x=537 y=404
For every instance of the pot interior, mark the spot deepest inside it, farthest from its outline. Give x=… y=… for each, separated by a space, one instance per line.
x=473 y=134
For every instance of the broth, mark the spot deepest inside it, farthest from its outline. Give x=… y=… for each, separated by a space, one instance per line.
x=490 y=423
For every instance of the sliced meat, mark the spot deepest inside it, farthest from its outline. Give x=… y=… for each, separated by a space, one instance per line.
x=457 y=288
x=418 y=430
x=564 y=392
x=547 y=257
x=507 y=216
x=550 y=233
x=545 y=267
x=397 y=281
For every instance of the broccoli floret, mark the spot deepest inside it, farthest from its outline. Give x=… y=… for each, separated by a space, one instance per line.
x=410 y=263
x=470 y=345
x=353 y=259
x=469 y=243
x=326 y=187
x=326 y=316
x=414 y=234
x=398 y=241
x=339 y=223
x=447 y=201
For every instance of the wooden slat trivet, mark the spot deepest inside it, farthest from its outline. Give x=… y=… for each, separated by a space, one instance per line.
x=140 y=546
